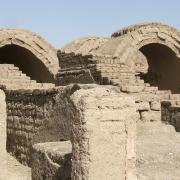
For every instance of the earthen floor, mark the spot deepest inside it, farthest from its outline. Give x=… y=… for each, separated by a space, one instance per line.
x=17 y=171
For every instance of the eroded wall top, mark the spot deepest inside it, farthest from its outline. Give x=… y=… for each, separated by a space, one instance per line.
x=86 y=45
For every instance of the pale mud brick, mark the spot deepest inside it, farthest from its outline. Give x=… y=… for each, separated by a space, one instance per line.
x=174 y=96
x=3 y=160
x=103 y=135
x=143 y=106
x=145 y=97
x=162 y=36
x=151 y=116
x=155 y=105
x=132 y=89
x=164 y=96
x=151 y=89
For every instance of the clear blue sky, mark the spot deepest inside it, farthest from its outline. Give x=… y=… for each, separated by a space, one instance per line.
x=61 y=21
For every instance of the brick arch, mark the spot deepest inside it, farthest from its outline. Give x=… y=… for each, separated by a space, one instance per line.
x=125 y=43
x=163 y=67
x=161 y=35
x=147 y=33
x=159 y=45
x=34 y=43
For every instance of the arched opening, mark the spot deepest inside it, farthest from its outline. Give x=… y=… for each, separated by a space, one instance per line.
x=163 y=67
x=27 y=62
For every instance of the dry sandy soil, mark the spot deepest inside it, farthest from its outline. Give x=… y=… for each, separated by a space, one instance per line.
x=158 y=152
x=17 y=171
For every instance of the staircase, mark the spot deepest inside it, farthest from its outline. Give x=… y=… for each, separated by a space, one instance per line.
x=127 y=81
x=12 y=78
x=131 y=83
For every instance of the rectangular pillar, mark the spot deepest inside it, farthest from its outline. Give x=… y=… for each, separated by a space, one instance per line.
x=103 y=135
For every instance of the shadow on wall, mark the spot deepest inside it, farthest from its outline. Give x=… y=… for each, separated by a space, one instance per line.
x=163 y=68
x=27 y=62
x=170 y=114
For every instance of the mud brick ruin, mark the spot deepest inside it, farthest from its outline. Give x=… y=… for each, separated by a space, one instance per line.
x=99 y=108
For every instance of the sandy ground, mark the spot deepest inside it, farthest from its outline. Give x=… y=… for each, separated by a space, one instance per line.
x=17 y=171
x=158 y=152
x=158 y=155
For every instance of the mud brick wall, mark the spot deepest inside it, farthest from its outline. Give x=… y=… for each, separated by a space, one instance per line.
x=101 y=69
x=72 y=60
x=82 y=76
x=3 y=162
x=35 y=116
x=108 y=69
x=103 y=135
x=148 y=106
x=79 y=68
x=75 y=68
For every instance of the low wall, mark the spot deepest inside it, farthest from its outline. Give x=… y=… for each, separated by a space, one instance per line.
x=103 y=135
x=36 y=116
x=171 y=114
x=3 y=163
